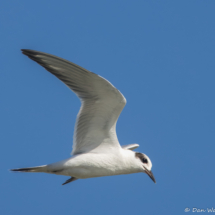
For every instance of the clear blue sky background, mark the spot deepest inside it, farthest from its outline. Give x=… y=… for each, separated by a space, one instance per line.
x=159 y=54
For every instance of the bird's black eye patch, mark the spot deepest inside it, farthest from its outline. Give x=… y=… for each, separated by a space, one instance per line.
x=144 y=160
x=141 y=157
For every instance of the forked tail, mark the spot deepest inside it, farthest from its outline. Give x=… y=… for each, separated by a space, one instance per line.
x=43 y=168
x=31 y=169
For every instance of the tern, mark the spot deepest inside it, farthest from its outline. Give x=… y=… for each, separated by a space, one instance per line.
x=96 y=149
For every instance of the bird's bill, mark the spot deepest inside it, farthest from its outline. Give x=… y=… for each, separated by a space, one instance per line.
x=150 y=174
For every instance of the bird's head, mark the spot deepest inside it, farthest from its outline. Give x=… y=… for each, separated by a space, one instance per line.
x=146 y=164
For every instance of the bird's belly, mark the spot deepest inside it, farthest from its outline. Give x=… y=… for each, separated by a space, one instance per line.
x=95 y=165
x=91 y=171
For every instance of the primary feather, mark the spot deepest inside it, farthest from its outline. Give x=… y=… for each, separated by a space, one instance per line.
x=101 y=102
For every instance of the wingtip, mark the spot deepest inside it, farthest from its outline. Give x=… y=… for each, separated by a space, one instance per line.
x=23 y=50
x=28 y=51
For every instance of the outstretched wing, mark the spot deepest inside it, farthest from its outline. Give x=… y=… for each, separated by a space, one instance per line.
x=131 y=146
x=101 y=102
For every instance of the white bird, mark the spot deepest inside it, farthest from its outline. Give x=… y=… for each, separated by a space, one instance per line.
x=96 y=149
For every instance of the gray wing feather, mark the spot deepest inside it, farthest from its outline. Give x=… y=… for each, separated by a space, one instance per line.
x=101 y=106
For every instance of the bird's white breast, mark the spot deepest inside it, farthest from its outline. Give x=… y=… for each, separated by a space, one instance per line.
x=95 y=165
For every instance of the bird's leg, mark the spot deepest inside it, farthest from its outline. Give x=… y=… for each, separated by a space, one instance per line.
x=70 y=180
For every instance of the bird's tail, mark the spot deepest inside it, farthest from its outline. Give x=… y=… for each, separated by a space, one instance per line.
x=31 y=169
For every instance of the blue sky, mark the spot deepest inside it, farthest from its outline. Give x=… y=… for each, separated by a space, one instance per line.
x=159 y=54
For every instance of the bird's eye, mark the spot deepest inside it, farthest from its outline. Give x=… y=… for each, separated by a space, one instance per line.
x=144 y=160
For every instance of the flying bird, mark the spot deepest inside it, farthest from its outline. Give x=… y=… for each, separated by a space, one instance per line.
x=96 y=149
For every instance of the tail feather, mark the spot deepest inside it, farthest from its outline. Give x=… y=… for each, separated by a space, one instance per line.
x=30 y=169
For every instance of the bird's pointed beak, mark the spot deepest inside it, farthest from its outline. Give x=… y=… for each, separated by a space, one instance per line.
x=150 y=174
